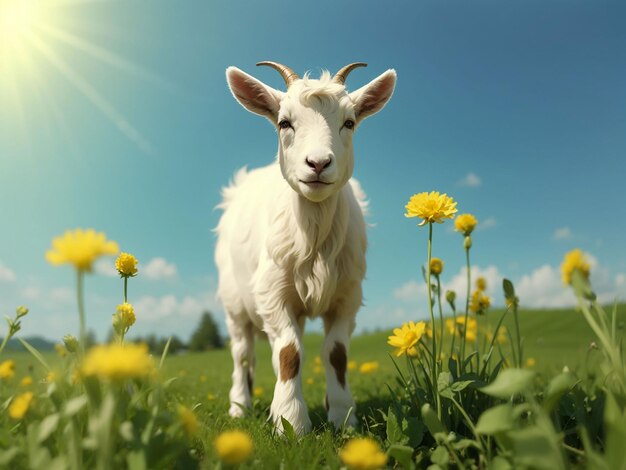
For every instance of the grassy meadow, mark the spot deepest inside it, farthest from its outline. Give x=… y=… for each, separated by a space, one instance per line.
x=552 y=339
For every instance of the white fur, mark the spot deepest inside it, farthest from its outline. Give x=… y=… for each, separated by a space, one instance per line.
x=288 y=250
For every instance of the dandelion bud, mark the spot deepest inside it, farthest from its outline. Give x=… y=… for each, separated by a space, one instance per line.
x=467 y=244
x=565 y=370
x=451 y=297
x=71 y=343
x=124 y=318
x=21 y=311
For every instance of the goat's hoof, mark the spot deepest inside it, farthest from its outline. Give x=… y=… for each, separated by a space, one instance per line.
x=339 y=416
x=297 y=416
x=236 y=411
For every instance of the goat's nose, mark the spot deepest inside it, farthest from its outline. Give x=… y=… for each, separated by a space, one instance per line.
x=319 y=164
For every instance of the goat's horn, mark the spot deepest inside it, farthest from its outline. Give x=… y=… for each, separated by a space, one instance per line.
x=340 y=77
x=288 y=75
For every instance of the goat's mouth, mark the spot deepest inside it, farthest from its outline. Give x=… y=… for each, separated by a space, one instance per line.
x=315 y=183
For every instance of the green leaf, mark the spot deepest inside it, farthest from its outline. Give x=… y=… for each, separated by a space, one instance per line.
x=35 y=353
x=440 y=456
x=403 y=455
x=136 y=460
x=615 y=422
x=165 y=351
x=534 y=447
x=495 y=420
x=431 y=420
x=557 y=387
x=7 y=455
x=510 y=382
x=499 y=463
x=443 y=385
x=414 y=429
x=394 y=431
x=74 y=405
x=461 y=385
x=288 y=430
x=48 y=426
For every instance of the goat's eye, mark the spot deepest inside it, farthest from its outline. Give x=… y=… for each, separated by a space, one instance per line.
x=349 y=124
x=284 y=124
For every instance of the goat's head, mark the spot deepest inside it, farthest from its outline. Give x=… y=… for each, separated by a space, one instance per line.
x=315 y=120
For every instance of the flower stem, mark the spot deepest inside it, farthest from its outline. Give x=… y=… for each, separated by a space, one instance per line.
x=440 y=316
x=80 y=275
x=469 y=288
x=432 y=321
x=518 y=337
x=125 y=289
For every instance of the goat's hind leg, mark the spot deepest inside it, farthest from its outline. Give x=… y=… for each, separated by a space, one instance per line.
x=242 y=350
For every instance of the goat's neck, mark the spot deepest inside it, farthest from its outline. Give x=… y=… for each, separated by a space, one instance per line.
x=314 y=219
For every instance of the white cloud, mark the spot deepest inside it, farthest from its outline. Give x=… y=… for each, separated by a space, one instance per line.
x=471 y=180
x=410 y=291
x=159 y=268
x=543 y=287
x=63 y=295
x=154 y=308
x=562 y=233
x=30 y=293
x=488 y=223
x=6 y=275
x=106 y=267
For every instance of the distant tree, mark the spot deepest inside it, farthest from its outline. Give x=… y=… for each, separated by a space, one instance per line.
x=207 y=335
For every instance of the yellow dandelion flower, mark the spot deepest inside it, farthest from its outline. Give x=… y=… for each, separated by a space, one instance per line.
x=188 y=419
x=233 y=447
x=363 y=454
x=20 y=405
x=479 y=302
x=530 y=362
x=450 y=326
x=26 y=381
x=117 y=362
x=210 y=396
x=431 y=207
x=258 y=392
x=412 y=352
x=471 y=331
x=317 y=369
x=436 y=266
x=60 y=350
x=126 y=265
x=368 y=367
x=7 y=369
x=51 y=377
x=406 y=337
x=80 y=248
x=465 y=223
x=126 y=313
x=203 y=378
x=575 y=260
x=318 y=361
x=309 y=381
x=481 y=283
x=352 y=365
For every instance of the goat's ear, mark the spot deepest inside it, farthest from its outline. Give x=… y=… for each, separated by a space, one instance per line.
x=253 y=94
x=373 y=97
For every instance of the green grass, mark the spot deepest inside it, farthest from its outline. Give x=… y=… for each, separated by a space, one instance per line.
x=554 y=338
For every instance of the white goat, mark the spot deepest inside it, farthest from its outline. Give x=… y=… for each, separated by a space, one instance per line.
x=291 y=241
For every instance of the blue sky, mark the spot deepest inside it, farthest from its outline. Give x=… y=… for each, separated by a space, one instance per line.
x=116 y=115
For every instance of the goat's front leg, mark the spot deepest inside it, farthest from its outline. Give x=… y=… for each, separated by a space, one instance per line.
x=287 y=358
x=339 y=402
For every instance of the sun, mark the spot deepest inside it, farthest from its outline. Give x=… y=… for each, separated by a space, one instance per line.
x=17 y=20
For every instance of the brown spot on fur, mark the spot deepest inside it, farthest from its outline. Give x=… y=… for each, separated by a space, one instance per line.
x=339 y=361
x=326 y=402
x=289 y=361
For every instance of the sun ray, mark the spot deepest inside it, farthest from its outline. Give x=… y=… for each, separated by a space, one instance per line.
x=106 y=56
x=92 y=94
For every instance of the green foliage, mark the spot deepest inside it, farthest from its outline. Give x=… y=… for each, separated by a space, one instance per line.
x=207 y=335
